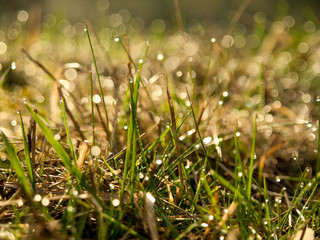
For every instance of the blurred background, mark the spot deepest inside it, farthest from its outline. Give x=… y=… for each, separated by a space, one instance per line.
x=205 y=11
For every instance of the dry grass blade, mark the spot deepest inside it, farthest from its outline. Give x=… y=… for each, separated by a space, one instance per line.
x=84 y=148
x=230 y=211
x=178 y=14
x=151 y=220
x=75 y=123
x=31 y=136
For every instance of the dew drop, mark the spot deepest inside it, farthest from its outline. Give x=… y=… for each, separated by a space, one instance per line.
x=96 y=98
x=181 y=138
x=85 y=29
x=111 y=186
x=95 y=151
x=115 y=202
x=207 y=140
x=125 y=127
x=213 y=40
x=160 y=57
x=45 y=202
x=210 y=217
x=146 y=178
x=220 y=102
x=70 y=209
x=140 y=61
x=197 y=146
x=190 y=132
x=179 y=74
x=238 y=134
x=57 y=137
x=204 y=225
x=37 y=198
x=240 y=174
x=141 y=175
x=158 y=162
x=225 y=94
x=13 y=66
x=13 y=123
x=75 y=192
x=116 y=39
x=318 y=99
x=20 y=203
x=278 y=179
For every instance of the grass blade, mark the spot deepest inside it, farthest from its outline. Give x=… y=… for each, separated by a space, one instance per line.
x=252 y=157
x=27 y=155
x=15 y=162
x=100 y=86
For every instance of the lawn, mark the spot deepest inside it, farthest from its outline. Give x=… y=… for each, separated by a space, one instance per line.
x=173 y=130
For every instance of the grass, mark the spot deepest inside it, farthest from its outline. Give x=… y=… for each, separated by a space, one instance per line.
x=201 y=137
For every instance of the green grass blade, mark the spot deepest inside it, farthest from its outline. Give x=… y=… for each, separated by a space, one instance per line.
x=3 y=76
x=63 y=154
x=267 y=204
x=252 y=156
x=92 y=109
x=27 y=155
x=15 y=162
x=100 y=86
x=67 y=131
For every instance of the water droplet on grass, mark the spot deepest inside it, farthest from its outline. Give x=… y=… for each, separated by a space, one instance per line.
x=13 y=66
x=160 y=57
x=13 y=123
x=116 y=39
x=213 y=40
x=140 y=61
x=70 y=209
x=238 y=134
x=20 y=203
x=115 y=202
x=45 y=202
x=225 y=94
x=181 y=138
x=278 y=179
x=207 y=140
x=158 y=162
x=96 y=98
x=204 y=225
x=141 y=176
x=95 y=151
x=57 y=137
x=37 y=198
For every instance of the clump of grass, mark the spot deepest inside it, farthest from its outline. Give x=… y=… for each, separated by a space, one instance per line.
x=233 y=159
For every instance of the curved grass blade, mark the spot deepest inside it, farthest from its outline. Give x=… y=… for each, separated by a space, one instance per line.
x=62 y=154
x=27 y=155
x=67 y=131
x=15 y=162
